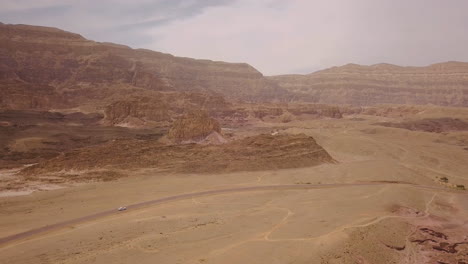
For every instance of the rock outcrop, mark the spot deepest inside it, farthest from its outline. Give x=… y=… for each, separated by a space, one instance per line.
x=28 y=137
x=126 y=112
x=261 y=152
x=435 y=125
x=161 y=108
x=193 y=127
x=444 y=84
x=296 y=109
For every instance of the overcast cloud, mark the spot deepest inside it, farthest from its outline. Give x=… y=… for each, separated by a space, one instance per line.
x=275 y=36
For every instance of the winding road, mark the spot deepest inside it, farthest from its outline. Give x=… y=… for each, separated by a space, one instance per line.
x=56 y=226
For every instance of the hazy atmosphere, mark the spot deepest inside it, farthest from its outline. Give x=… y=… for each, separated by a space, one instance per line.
x=304 y=35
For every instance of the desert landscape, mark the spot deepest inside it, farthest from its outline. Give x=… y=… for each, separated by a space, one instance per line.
x=110 y=154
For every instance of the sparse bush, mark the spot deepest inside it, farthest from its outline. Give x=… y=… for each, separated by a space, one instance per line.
x=461 y=187
x=444 y=179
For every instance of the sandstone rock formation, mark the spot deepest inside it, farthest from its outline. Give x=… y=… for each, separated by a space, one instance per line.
x=315 y=110
x=261 y=152
x=435 y=125
x=443 y=84
x=126 y=112
x=43 y=68
x=47 y=68
x=193 y=127
x=30 y=136
x=159 y=108
x=288 y=112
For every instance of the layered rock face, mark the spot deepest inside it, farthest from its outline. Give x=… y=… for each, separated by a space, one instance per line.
x=161 y=108
x=260 y=152
x=126 y=112
x=435 y=125
x=42 y=68
x=288 y=112
x=194 y=126
x=443 y=84
x=47 y=68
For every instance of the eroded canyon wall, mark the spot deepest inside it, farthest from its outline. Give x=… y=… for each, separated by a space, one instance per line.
x=443 y=84
x=42 y=68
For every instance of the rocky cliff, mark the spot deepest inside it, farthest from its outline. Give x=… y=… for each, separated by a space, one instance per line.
x=157 y=107
x=47 y=68
x=43 y=68
x=443 y=84
x=194 y=126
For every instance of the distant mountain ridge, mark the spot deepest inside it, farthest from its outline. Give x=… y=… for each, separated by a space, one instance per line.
x=48 y=68
x=443 y=84
x=43 y=67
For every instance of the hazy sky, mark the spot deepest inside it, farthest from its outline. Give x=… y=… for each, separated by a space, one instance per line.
x=275 y=36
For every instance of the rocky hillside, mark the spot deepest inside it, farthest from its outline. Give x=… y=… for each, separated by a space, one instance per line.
x=435 y=125
x=443 y=84
x=160 y=107
x=260 y=152
x=48 y=68
x=193 y=126
x=42 y=68
x=28 y=137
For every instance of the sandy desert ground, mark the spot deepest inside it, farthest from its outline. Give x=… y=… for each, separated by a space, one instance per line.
x=406 y=215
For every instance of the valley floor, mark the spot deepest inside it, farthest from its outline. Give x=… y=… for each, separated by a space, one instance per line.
x=383 y=222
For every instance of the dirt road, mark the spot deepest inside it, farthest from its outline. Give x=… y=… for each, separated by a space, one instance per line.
x=56 y=226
